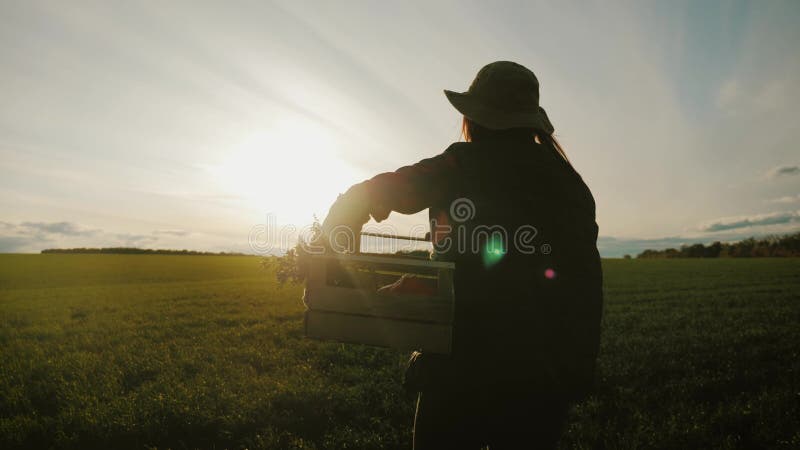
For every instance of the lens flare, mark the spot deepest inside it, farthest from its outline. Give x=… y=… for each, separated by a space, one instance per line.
x=494 y=251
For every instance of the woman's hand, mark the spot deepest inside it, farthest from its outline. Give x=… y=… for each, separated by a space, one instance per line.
x=348 y=214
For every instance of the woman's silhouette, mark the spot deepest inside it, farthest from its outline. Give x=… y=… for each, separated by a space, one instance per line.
x=513 y=214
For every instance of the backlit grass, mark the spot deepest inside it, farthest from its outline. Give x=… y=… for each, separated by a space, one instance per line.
x=137 y=351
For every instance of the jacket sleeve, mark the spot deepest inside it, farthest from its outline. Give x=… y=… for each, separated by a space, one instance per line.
x=409 y=189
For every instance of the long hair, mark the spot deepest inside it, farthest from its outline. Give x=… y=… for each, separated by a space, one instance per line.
x=473 y=132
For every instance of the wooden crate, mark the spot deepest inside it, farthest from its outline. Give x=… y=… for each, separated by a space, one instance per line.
x=344 y=305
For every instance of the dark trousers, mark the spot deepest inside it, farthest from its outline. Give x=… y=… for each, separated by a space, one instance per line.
x=502 y=420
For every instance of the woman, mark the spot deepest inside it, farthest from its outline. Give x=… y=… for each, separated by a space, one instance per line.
x=509 y=209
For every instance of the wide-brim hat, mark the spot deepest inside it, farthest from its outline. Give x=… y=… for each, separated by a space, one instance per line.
x=503 y=95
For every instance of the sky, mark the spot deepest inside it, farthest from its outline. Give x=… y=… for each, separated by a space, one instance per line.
x=209 y=125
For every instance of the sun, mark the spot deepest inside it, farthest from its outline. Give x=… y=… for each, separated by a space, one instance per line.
x=292 y=169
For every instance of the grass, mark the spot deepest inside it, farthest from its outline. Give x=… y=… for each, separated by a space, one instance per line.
x=146 y=351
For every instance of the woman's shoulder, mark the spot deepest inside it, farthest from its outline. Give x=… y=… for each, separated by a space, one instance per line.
x=459 y=147
x=494 y=149
x=462 y=148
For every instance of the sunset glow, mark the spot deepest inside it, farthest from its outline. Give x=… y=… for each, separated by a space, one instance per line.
x=199 y=118
x=291 y=169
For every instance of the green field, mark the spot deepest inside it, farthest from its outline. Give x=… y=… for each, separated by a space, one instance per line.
x=141 y=351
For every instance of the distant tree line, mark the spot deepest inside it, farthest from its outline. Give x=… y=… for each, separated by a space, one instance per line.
x=770 y=246
x=138 y=251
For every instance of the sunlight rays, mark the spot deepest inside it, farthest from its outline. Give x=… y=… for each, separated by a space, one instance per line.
x=291 y=169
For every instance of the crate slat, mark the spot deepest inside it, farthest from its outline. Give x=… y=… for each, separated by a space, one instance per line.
x=404 y=307
x=343 y=304
x=378 y=331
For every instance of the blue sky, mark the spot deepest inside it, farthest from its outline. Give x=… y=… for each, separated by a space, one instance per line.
x=191 y=124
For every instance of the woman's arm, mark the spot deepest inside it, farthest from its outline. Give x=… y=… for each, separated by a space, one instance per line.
x=407 y=190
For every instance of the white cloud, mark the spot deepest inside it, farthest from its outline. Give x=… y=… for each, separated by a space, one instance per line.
x=611 y=247
x=785 y=170
x=171 y=232
x=134 y=240
x=35 y=236
x=786 y=199
x=32 y=237
x=57 y=228
x=752 y=221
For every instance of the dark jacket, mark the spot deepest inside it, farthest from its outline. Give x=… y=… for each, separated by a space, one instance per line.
x=519 y=222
